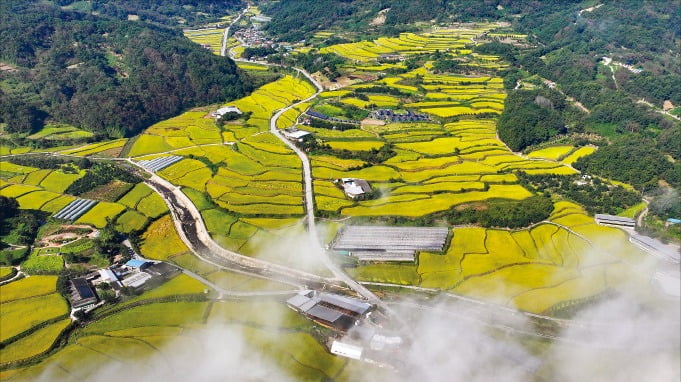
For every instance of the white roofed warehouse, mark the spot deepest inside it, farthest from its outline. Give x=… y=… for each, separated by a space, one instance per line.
x=380 y=243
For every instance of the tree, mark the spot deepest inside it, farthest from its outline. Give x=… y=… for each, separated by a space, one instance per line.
x=8 y=206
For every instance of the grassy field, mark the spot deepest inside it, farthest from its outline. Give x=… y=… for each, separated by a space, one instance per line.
x=38 y=263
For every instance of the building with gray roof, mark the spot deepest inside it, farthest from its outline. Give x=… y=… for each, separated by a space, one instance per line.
x=381 y=243
x=613 y=220
x=330 y=310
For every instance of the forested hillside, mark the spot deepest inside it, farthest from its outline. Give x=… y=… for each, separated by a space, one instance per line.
x=100 y=73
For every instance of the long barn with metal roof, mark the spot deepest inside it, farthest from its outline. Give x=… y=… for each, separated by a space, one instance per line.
x=380 y=243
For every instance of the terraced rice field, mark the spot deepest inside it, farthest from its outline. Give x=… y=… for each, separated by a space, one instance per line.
x=56 y=132
x=119 y=341
x=43 y=190
x=209 y=38
x=531 y=269
x=98 y=148
x=579 y=153
x=440 y=164
x=27 y=303
x=410 y=43
x=186 y=130
x=161 y=241
x=254 y=177
x=552 y=153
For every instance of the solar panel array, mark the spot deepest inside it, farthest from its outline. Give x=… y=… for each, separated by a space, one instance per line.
x=391 y=239
x=75 y=209
x=159 y=163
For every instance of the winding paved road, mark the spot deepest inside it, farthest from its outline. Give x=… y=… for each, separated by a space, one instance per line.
x=309 y=199
x=193 y=232
x=225 y=36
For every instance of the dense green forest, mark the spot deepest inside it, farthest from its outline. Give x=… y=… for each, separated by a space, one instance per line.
x=166 y=12
x=531 y=117
x=594 y=194
x=101 y=73
x=633 y=160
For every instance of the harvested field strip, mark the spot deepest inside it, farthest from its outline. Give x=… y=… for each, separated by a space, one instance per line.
x=579 y=153
x=552 y=153
x=438 y=202
x=36 y=343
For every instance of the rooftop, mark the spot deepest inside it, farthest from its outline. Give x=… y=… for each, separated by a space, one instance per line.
x=296 y=134
x=391 y=239
x=134 y=263
x=336 y=310
x=82 y=287
x=346 y=350
x=227 y=109
x=614 y=218
x=136 y=280
x=353 y=186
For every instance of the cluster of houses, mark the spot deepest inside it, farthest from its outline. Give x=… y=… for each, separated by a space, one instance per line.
x=254 y=37
x=133 y=274
x=390 y=116
x=324 y=117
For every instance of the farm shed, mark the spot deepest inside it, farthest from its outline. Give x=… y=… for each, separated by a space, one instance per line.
x=224 y=110
x=82 y=294
x=108 y=276
x=162 y=269
x=293 y=134
x=330 y=310
x=136 y=280
x=355 y=188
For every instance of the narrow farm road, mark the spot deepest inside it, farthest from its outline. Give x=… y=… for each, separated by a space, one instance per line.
x=309 y=198
x=225 y=36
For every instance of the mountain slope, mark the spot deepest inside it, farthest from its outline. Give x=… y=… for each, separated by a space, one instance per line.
x=102 y=74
